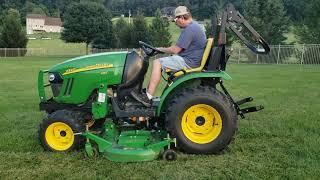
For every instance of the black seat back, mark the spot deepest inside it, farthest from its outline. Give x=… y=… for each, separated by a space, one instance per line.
x=218 y=59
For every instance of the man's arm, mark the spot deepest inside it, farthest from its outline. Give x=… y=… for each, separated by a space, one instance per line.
x=171 y=49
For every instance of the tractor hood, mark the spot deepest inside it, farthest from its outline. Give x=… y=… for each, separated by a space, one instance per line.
x=91 y=62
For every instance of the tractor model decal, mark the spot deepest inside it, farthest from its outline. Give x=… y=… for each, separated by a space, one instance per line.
x=88 y=68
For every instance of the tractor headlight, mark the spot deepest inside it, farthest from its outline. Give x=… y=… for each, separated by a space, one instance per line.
x=51 y=77
x=54 y=77
x=55 y=82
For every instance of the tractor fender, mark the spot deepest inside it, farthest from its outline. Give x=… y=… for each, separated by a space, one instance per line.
x=188 y=77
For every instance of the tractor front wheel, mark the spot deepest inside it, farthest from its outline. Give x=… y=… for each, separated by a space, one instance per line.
x=202 y=119
x=58 y=131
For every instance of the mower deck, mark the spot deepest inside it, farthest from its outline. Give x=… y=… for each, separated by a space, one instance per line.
x=128 y=146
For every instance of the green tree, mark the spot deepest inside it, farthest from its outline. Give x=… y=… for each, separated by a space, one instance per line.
x=1 y=41
x=308 y=30
x=268 y=18
x=13 y=35
x=5 y=5
x=86 y=22
x=35 y=8
x=139 y=30
x=122 y=32
x=296 y=9
x=52 y=6
x=105 y=38
x=63 y=6
x=159 y=31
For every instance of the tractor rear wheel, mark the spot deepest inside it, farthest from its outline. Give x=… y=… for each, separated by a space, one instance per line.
x=58 y=131
x=202 y=119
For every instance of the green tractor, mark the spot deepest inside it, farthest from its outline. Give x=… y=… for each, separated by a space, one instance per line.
x=91 y=105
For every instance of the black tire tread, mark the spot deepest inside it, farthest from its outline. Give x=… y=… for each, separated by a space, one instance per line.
x=74 y=119
x=199 y=91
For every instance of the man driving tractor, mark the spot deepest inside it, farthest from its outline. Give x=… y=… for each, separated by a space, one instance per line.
x=187 y=53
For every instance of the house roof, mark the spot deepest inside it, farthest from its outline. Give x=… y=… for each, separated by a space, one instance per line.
x=49 y=21
x=52 y=21
x=36 y=16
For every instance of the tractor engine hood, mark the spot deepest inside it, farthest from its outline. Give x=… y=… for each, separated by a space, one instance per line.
x=90 y=62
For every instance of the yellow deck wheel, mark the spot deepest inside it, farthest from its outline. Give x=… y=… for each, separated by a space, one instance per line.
x=201 y=123
x=59 y=136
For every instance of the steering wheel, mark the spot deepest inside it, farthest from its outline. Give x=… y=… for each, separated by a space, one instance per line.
x=149 y=50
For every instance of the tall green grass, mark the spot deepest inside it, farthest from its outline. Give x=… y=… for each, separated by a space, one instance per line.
x=280 y=142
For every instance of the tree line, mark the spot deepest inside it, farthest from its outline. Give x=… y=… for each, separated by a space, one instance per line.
x=90 y=22
x=272 y=18
x=12 y=33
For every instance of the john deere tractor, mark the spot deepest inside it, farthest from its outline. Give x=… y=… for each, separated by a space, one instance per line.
x=91 y=106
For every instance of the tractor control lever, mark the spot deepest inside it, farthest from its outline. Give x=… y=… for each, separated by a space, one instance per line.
x=231 y=19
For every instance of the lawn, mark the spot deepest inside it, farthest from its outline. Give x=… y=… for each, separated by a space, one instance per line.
x=53 y=46
x=280 y=142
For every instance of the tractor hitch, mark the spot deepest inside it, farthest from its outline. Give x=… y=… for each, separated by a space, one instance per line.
x=245 y=100
x=248 y=109
x=251 y=109
x=237 y=104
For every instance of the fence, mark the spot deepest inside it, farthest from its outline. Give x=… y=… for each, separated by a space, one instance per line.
x=279 y=54
x=43 y=52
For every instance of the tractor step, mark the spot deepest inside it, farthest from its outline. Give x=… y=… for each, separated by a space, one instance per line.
x=133 y=112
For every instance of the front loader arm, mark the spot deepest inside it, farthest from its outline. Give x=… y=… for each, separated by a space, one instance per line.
x=234 y=21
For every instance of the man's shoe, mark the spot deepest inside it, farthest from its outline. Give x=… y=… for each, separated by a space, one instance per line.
x=141 y=97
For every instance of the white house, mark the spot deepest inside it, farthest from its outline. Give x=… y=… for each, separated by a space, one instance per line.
x=41 y=23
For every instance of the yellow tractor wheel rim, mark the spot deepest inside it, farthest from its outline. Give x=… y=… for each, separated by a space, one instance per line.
x=201 y=123
x=59 y=136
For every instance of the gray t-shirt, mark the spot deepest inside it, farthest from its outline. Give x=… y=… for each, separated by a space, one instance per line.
x=192 y=40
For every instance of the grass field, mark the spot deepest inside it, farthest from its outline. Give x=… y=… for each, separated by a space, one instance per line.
x=280 y=142
x=55 y=45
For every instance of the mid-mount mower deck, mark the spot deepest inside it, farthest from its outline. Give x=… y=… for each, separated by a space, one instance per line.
x=92 y=107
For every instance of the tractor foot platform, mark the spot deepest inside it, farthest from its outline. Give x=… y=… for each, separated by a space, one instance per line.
x=135 y=111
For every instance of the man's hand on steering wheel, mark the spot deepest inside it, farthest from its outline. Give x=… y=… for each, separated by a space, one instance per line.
x=149 y=50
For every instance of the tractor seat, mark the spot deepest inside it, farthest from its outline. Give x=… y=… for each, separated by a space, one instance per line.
x=203 y=61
